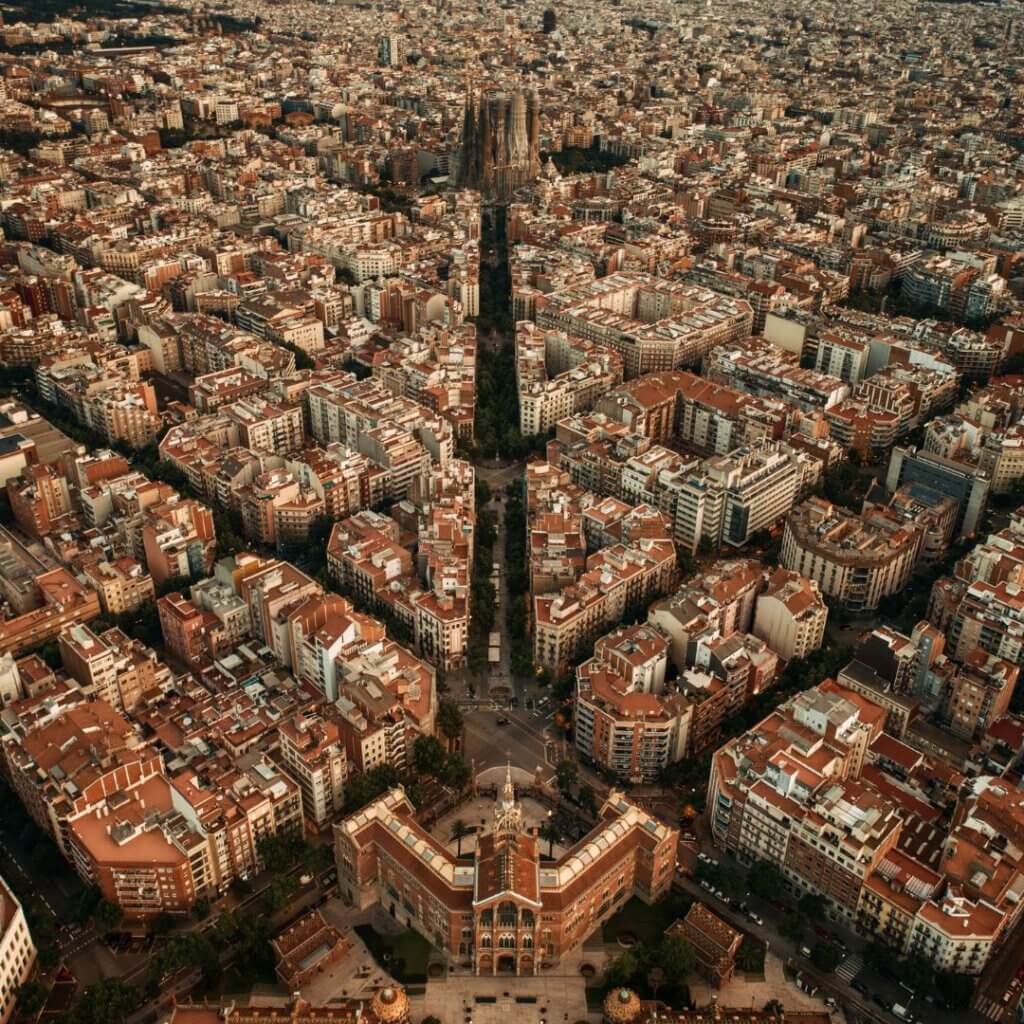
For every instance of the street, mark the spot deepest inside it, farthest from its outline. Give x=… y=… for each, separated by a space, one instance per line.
x=839 y=984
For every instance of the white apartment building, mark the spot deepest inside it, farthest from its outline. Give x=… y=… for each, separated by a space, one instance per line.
x=736 y=495
x=314 y=757
x=857 y=560
x=790 y=615
x=17 y=951
x=845 y=358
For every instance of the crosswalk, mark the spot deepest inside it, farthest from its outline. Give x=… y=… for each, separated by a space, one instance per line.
x=850 y=968
x=990 y=1008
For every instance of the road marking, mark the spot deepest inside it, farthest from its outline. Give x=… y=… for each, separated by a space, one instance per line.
x=850 y=968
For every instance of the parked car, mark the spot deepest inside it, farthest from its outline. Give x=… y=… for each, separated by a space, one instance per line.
x=757 y=919
x=805 y=951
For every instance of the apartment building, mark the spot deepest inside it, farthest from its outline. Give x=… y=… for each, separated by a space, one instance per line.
x=618 y=578
x=388 y=699
x=364 y=556
x=277 y=511
x=111 y=666
x=757 y=367
x=40 y=500
x=790 y=614
x=1002 y=458
x=857 y=424
x=17 y=951
x=557 y=376
x=963 y=481
x=843 y=355
x=344 y=480
x=123 y=585
x=737 y=495
x=191 y=634
x=653 y=324
x=267 y=426
x=982 y=606
x=708 y=417
x=173 y=842
x=626 y=719
x=313 y=755
x=178 y=539
x=47 y=603
x=64 y=766
x=843 y=809
x=857 y=560
x=980 y=693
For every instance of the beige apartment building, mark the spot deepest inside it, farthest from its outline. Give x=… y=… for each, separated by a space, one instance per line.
x=790 y=614
x=313 y=755
x=17 y=951
x=855 y=559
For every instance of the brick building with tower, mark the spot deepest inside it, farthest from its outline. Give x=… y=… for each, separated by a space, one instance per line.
x=503 y=910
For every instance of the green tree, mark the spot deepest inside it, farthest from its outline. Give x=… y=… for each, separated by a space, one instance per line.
x=460 y=831
x=764 y=879
x=428 y=756
x=826 y=956
x=109 y=1001
x=456 y=773
x=279 y=892
x=174 y=585
x=792 y=926
x=162 y=924
x=566 y=774
x=31 y=998
x=621 y=970
x=956 y=989
x=918 y=973
x=360 y=789
x=107 y=915
x=281 y=852
x=588 y=799
x=87 y=904
x=551 y=834
x=450 y=721
x=812 y=906
x=676 y=956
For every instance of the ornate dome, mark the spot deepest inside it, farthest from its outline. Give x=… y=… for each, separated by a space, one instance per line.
x=621 y=1005
x=390 y=1004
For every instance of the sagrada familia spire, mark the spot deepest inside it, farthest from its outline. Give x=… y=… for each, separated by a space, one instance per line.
x=500 y=141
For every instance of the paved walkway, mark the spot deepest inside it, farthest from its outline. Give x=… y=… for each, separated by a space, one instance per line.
x=741 y=994
x=555 y=998
x=357 y=974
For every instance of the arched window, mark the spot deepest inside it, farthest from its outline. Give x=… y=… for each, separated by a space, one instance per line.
x=507 y=942
x=485 y=941
x=527 y=919
x=507 y=915
x=486 y=919
x=527 y=942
